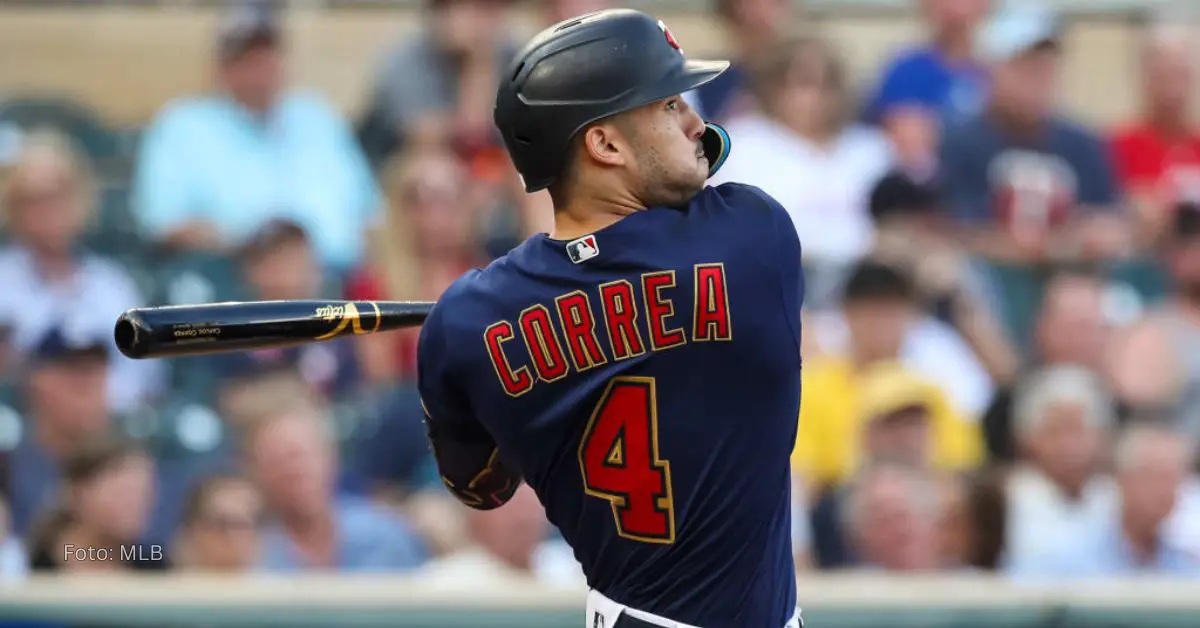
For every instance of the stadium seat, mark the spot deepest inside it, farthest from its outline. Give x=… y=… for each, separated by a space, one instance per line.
x=113 y=230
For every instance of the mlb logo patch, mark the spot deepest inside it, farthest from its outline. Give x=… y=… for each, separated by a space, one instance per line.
x=583 y=249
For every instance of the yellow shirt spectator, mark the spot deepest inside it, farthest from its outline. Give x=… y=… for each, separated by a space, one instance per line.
x=838 y=401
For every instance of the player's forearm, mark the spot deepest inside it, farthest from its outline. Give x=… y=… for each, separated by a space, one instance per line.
x=473 y=472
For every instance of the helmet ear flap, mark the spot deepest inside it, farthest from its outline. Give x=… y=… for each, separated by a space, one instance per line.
x=716 y=145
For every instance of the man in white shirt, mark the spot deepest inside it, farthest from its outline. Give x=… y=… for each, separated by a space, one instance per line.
x=1057 y=499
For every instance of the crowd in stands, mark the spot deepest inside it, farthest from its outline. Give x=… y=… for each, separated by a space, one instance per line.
x=1001 y=332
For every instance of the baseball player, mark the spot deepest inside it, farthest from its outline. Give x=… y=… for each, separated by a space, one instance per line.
x=640 y=366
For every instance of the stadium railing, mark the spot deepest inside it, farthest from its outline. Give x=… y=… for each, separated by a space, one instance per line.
x=829 y=601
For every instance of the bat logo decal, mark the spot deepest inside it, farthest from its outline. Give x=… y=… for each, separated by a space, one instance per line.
x=348 y=317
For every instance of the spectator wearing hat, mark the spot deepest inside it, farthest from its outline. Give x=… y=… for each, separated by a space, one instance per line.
x=897 y=422
x=936 y=83
x=214 y=168
x=64 y=394
x=878 y=308
x=47 y=200
x=1158 y=155
x=65 y=404
x=1023 y=182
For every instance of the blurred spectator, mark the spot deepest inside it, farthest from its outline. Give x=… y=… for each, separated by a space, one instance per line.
x=426 y=240
x=65 y=405
x=1071 y=329
x=960 y=343
x=938 y=82
x=1024 y=182
x=840 y=392
x=293 y=460
x=440 y=86
x=898 y=423
x=214 y=168
x=987 y=514
x=955 y=526
x=1156 y=360
x=1152 y=462
x=278 y=263
x=754 y=28
x=108 y=492
x=1057 y=497
x=801 y=150
x=396 y=457
x=47 y=201
x=14 y=564
x=506 y=543
x=242 y=399
x=1158 y=155
x=890 y=516
x=219 y=531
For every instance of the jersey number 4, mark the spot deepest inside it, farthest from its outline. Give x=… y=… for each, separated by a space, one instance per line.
x=619 y=459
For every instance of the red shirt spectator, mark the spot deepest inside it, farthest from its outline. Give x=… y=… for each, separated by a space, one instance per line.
x=1158 y=157
x=367 y=285
x=1148 y=161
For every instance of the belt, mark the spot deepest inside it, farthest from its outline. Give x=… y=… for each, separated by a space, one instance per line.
x=605 y=613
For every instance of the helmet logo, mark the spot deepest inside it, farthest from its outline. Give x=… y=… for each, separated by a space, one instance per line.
x=670 y=38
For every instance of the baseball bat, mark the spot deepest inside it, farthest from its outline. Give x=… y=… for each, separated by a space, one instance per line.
x=182 y=330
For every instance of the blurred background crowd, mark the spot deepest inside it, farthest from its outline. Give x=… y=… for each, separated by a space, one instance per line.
x=1002 y=324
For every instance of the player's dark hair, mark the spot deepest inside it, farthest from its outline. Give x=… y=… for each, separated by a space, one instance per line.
x=875 y=281
x=561 y=188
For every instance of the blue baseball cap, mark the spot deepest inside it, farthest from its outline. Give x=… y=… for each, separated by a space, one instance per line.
x=1015 y=30
x=61 y=345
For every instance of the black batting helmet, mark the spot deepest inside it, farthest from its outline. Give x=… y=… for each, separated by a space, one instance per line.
x=585 y=69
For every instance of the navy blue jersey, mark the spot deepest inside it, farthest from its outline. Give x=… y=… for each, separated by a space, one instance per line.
x=645 y=381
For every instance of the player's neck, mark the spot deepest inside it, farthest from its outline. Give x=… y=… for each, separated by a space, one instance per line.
x=581 y=218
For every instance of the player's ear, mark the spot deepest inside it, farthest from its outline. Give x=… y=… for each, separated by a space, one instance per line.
x=605 y=145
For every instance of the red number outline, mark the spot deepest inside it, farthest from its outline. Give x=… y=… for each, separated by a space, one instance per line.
x=663 y=501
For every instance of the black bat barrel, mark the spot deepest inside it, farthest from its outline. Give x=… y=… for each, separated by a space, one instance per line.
x=180 y=330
